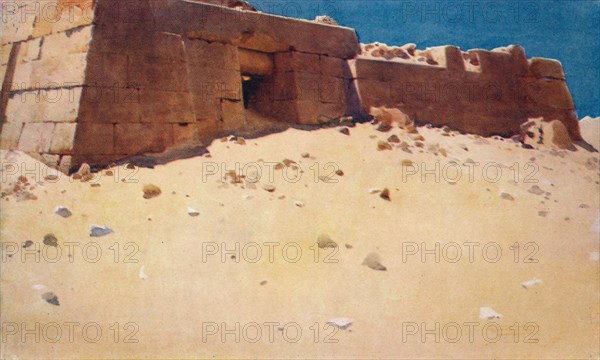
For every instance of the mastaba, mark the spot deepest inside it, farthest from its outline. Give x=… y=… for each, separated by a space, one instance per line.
x=98 y=81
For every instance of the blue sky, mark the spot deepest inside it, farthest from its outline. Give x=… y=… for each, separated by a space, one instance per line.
x=567 y=30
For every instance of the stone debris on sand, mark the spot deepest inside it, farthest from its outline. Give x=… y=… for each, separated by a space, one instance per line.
x=375 y=190
x=50 y=240
x=62 y=211
x=98 y=231
x=383 y=145
x=193 y=212
x=487 y=313
x=394 y=139
x=324 y=19
x=506 y=196
x=536 y=190
x=151 y=191
x=142 y=274
x=27 y=244
x=298 y=203
x=341 y=323
x=324 y=241
x=51 y=298
x=385 y=194
x=269 y=187
x=344 y=131
x=530 y=283
x=373 y=260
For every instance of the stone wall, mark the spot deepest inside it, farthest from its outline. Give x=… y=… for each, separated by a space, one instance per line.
x=101 y=80
x=482 y=92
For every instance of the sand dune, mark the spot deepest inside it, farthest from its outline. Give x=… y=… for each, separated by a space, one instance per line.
x=517 y=234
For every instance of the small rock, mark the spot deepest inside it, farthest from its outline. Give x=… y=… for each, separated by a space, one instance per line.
x=394 y=139
x=418 y=138
x=27 y=244
x=383 y=145
x=63 y=211
x=373 y=261
x=344 y=131
x=584 y=206
x=193 y=212
x=385 y=194
x=341 y=323
x=374 y=190
x=151 y=191
x=263 y=283
x=384 y=127
x=506 y=196
x=536 y=190
x=339 y=172
x=50 y=240
x=305 y=155
x=348 y=246
x=407 y=163
x=98 y=231
x=298 y=203
x=130 y=167
x=487 y=313
x=268 y=187
x=542 y=213
x=529 y=283
x=51 y=298
x=142 y=273
x=324 y=242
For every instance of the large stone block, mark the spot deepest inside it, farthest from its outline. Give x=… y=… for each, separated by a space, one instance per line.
x=29 y=50
x=548 y=93
x=207 y=108
x=73 y=42
x=106 y=70
x=17 y=22
x=62 y=138
x=157 y=74
x=63 y=15
x=297 y=61
x=131 y=139
x=61 y=71
x=216 y=83
x=331 y=66
x=202 y=54
x=316 y=112
x=56 y=105
x=36 y=137
x=546 y=68
x=166 y=106
x=94 y=139
x=122 y=39
x=110 y=105
x=9 y=136
x=234 y=114
x=5 y=53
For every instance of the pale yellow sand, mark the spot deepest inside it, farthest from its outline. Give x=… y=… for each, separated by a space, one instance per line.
x=183 y=294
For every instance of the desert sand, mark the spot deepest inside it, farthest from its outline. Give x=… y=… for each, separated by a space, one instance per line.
x=165 y=284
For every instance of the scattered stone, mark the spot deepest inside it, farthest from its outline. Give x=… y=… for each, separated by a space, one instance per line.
x=542 y=213
x=394 y=139
x=151 y=191
x=84 y=170
x=51 y=298
x=506 y=196
x=560 y=135
x=339 y=172
x=109 y=173
x=418 y=138
x=142 y=273
x=407 y=163
x=288 y=162
x=536 y=190
x=446 y=129
x=50 y=240
x=344 y=131
x=240 y=141
x=527 y=146
x=443 y=152
x=263 y=283
x=24 y=196
x=383 y=145
x=341 y=323
x=584 y=206
x=530 y=283
x=193 y=212
x=487 y=313
x=324 y=242
x=27 y=244
x=348 y=246
x=298 y=203
x=373 y=261
x=130 y=166
x=51 y=178
x=305 y=155
x=385 y=194
x=95 y=185
x=384 y=127
x=419 y=144
x=98 y=231
x=374 y=190
x=268 y=187
x=324 y=19
x=63 y=211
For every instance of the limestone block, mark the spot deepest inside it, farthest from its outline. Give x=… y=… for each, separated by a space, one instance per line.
x=157 y=74
x=18 y=20
x=59 y=16
x=3 y=69
x=316 y=112
x=73 y=42
x=63 y=71
x=36 y=137
x=166 y=106
x=216 y=83
x=279 y=86
x=202 y=54
x=106 y=70
x=133 y=139
x=104 y=105
x=56 y=105
x=186 y=134
x=93 y=138
x=65 y=163
x=234 y=114
x=548 y=93
x=331 y=66
x=124 y=40
x=9 y=136
x=29 y=50
x=62 y=138
x=332 y=90
x=5 y=53
x=207 y=108
x=546 y=68
x=297 y=61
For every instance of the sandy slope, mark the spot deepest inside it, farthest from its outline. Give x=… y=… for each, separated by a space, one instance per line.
x=185 y=291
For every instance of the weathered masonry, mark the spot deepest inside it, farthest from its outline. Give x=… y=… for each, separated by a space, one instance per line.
x=97 y=81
